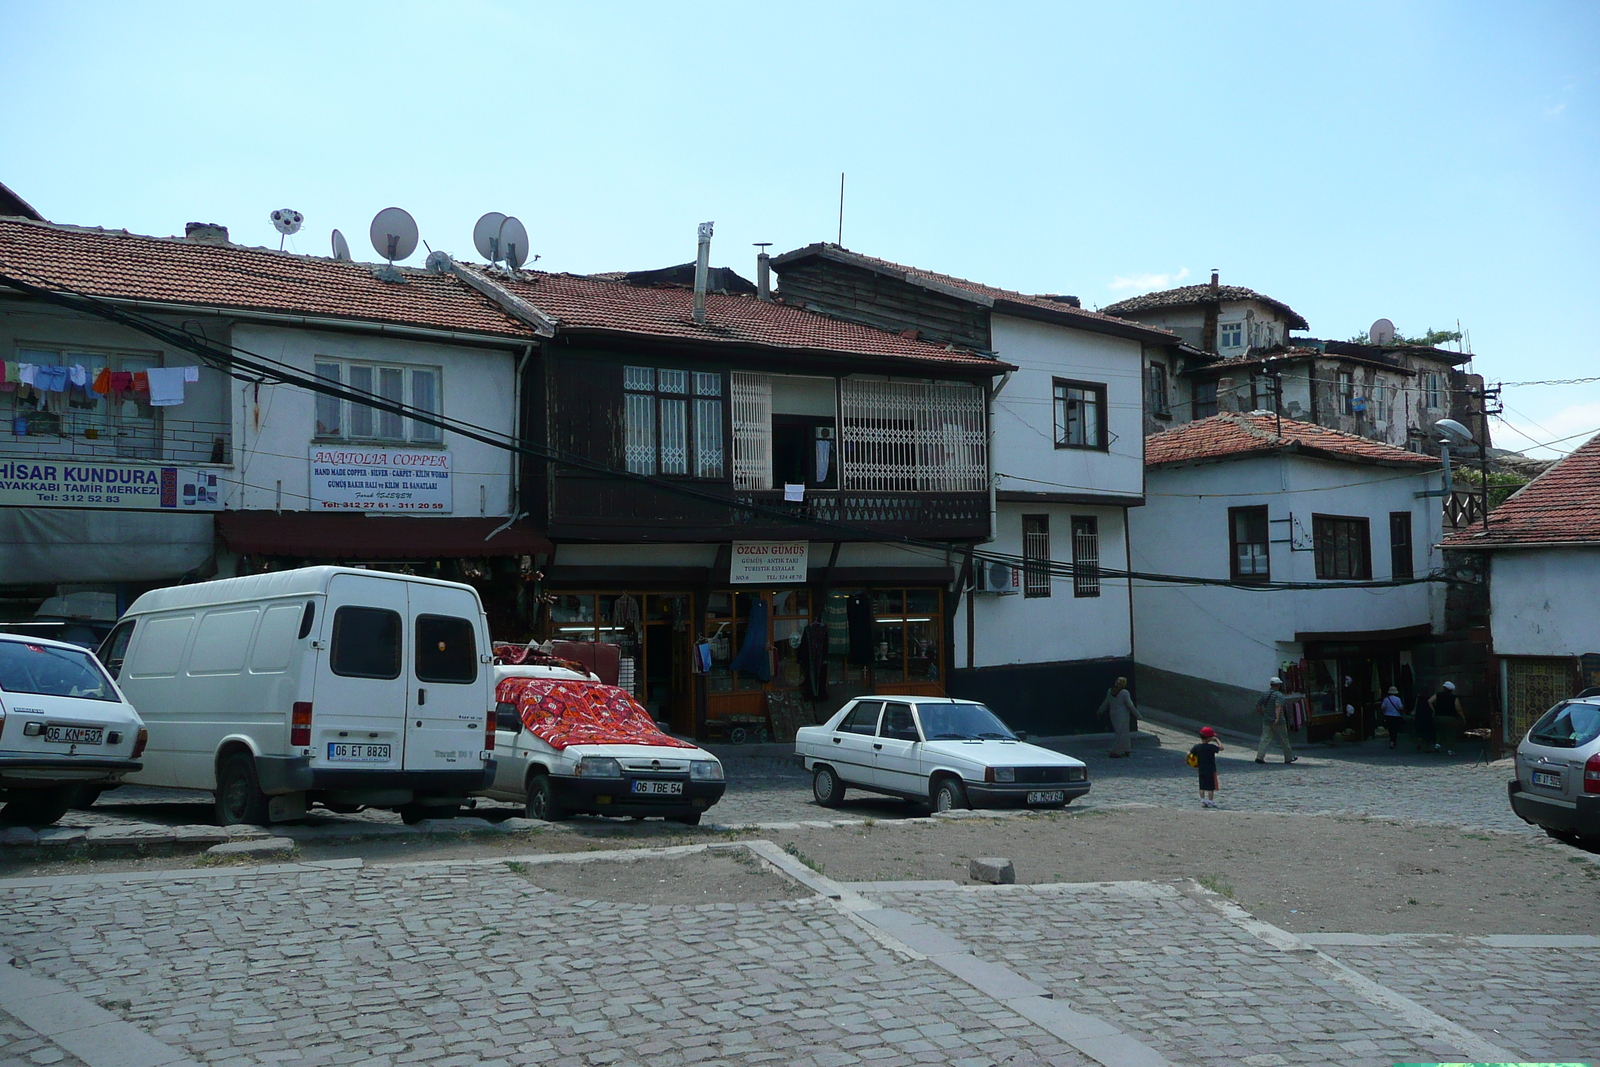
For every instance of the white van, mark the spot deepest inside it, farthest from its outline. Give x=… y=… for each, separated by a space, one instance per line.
x=351 y=688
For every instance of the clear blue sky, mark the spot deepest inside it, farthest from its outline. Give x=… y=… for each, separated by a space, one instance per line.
x=1426 y=162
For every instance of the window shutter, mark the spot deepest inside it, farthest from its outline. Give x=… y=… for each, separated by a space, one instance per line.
x=752 y=430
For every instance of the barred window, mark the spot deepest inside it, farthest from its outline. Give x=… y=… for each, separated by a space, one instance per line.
x=1035 y=555
x=665 y=431
x=1085 y=555
x=912 y=436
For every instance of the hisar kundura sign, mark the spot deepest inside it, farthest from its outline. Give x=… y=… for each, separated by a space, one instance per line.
x=45 y=483
x=380 y=479
x=769 y=562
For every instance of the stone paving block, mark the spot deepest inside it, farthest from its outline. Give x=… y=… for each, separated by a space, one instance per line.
x=18 y=836
x=259 y=847
x=61 y=835
x=992 y=869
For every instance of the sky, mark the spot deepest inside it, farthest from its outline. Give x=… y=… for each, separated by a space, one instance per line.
x=1431 y=163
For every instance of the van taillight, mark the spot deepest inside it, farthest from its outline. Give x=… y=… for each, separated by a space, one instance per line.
x=300 y=724
x=488 y=731
x=1591 y=774
x=138 y=745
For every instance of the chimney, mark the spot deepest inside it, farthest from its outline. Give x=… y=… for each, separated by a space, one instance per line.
x=205 y=233
x=1227 y=399
x=1214 y=279
x=763 y=272
x=702 y=267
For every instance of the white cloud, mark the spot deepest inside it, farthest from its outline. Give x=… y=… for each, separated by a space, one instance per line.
x=1144 y=283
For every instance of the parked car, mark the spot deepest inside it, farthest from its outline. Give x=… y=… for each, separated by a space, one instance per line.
x=333 y=685
x=1557 y=787
x=567 y=744
x=64 y=726
x=943 y=752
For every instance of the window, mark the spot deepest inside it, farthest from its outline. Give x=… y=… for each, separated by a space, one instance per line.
x=366 y=643
x=122 y=420
x=446 y=650
x=1433 y=391
x=912 y=437
x=1204 y=404
x=1264 y=392
x=863 y=718
x=1378 y=402
x=114 y=649
x=1347 y=393
x=1080 y=410
x=1400 y=565
x=672 y=422
x=1343 y=549
x=1230 y=335
x=898 y=723
x=45 y=670
x=1158 y=389
x=1085 y=555
x=348 y=420
x=1035 y=555
x=1247 y=542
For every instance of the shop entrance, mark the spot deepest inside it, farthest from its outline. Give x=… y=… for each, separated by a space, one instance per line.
x=653 y=633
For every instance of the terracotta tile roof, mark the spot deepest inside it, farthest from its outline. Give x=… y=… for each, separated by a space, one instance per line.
x=1561 y=506
x=1231 y=436
x=114 y=263
x=1197 y=295
x=987 y=295
x=587 y=303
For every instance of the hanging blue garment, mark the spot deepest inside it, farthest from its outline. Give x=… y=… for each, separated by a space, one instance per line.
x=753 y=658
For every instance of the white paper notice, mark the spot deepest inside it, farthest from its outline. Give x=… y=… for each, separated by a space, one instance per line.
x=792 y=493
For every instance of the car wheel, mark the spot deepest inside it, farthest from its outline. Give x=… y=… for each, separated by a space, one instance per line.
x=239 y=796
x=37 y=807
x=950 y=795
x=692 y=819
x=542 y=803
x=84 y=796
x=826 y=787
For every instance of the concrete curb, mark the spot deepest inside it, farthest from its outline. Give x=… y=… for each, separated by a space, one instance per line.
x=81 y=1027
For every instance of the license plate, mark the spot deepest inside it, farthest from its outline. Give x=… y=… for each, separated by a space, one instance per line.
x=74 y=735
x=1046 y=796
x=659 y=789
x=347 y=753
x=1551 y=780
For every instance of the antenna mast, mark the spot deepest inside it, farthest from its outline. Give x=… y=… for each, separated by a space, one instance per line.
x=841 y=209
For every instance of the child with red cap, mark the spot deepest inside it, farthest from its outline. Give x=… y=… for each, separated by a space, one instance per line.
x=1203 y=757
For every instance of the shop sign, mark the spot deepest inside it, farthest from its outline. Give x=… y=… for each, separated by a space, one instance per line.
x=380 y=479
x=46 y=483
x=769 y=562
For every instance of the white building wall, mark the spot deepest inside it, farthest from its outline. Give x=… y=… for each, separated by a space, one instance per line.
x=1545 y=601
x=1025 y=456
x=274 y=426
x=1239 y=636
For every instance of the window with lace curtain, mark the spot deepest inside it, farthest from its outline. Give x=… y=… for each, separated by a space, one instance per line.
x=672 y=422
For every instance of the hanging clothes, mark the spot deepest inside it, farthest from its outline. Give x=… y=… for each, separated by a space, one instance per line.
x=166 y=386
x=625 y=614
x=754 y=658
x=813 y=656
x=859 y=611
x=838 y=623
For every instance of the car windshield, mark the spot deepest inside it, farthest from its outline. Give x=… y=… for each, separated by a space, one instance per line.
x=50 y=671
x=961 y=722
x=1567 y=726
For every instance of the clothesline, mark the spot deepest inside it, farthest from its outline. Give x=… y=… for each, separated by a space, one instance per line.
x=55 y=385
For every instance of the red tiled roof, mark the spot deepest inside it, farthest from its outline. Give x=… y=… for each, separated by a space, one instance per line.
x=117 y=264
x=1196 y=295
x=1561 y=506
x=588 y=303
x=1231 y=436
x=1002 y=299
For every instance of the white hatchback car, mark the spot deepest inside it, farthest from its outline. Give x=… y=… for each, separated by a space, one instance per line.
x=940 y=751
x=64 y=725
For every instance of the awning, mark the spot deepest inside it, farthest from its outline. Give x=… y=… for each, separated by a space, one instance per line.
x=314 y=535
x=49 y=546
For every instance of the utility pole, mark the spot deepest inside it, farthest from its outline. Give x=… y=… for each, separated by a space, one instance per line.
x=1487 y=396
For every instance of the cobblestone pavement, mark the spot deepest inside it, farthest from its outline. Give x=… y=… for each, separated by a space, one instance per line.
x=22 y=1046
x=457 y=964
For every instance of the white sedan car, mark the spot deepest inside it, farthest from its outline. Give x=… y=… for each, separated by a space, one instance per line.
x=943 y=752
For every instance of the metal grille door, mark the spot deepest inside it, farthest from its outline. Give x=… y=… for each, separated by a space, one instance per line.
x=1533 y=687
x=752 y=430
x=912 y=437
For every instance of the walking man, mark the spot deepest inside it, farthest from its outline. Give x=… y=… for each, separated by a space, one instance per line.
x=1119 y=705
x=1442 y=703
x=1272 y=725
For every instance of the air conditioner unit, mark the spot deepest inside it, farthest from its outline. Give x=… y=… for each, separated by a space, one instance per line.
x=1002 y=579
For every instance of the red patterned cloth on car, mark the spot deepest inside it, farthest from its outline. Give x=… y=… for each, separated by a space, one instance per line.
x=566 y=712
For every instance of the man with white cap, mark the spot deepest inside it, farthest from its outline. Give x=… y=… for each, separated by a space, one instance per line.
x=1272 y=726
x=1441 y=703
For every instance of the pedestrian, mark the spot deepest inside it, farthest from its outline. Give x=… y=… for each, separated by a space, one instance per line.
x=1393 y=715
x=1270 y=707
x=1442 y=703
x=1118 y=704
x=1204 y=758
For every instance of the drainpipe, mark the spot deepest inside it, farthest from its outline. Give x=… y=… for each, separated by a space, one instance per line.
x=702 y=267
x=517 y=427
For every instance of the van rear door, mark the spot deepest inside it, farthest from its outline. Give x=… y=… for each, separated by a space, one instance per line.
x=359 y=704
x=451 y=692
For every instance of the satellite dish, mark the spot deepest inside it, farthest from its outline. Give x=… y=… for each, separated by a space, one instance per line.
x=513 y=243
x=341 y=248
x=486 y=236
x=394 y=235
x=287 y=220
x=1381 y=332
x=438 y=262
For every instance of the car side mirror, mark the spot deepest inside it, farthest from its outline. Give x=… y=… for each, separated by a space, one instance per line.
x=506 y=718
x=1020 y=735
